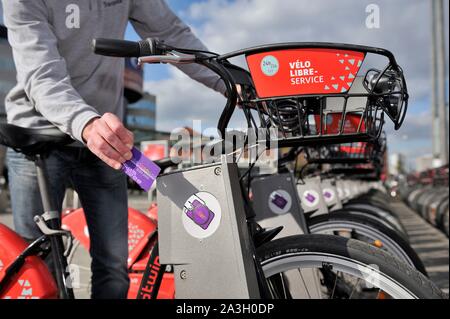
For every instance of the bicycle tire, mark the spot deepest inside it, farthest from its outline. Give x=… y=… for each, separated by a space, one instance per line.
x=393 y=242
x=387 y=222
x=300 y=252
x=381 y=215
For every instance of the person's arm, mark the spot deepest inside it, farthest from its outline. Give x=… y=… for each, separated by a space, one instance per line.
x=47 y=83
x=41 y=68
x=154 y=19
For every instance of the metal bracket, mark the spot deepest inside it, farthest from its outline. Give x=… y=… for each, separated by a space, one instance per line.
x=50 y=215
x=41 y=223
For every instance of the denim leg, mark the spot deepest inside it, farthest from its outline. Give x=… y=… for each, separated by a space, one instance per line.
x=103 y=194
x=25 y=197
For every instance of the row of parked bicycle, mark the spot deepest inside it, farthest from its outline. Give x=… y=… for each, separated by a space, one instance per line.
x=324 y=230
x=427 y=193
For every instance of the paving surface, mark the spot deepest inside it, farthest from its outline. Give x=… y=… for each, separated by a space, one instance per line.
x=431 y=245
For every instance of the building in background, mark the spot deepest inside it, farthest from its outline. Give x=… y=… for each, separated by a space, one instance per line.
x=397 y=164
x=141 y=116
x=140 y=106
x=427 y=162
x=439 y=82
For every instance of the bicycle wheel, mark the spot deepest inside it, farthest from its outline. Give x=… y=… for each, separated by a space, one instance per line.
x=346 y=268
x=381 y=216
x=367 y=230
x=446 y=223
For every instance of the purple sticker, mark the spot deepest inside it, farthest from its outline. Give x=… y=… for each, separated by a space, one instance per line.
x=310 y=198
x=141 y=170
x=200 y=214
x=279 y=201
x=328 y=195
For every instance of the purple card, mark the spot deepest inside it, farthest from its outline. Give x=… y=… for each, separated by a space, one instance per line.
x=141 y=170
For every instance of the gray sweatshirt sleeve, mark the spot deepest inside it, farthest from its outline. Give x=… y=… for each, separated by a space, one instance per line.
x=41 y=68
x=155 y=19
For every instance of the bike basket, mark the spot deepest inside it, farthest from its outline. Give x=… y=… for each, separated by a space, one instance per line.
x=348 y=153
x=319 y=93
x=368 y=172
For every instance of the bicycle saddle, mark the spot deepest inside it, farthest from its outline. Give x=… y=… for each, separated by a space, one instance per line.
x=32 y=141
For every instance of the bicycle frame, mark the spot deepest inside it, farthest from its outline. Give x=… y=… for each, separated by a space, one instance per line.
x=49 y=223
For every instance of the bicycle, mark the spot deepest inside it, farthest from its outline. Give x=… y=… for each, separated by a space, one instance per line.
x=427 y=194
x=220 y=225
x=363 y=161
x=322 y=208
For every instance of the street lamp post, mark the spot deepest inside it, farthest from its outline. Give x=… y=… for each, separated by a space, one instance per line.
x=439 y=81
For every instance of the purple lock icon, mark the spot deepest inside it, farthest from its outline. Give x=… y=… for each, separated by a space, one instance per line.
x=200 y=214
x=279 y=201
x=310 y=198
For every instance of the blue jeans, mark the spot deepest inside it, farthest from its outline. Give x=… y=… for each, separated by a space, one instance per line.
x=103 y=195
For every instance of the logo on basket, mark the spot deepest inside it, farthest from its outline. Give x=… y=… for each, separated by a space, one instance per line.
x=270 y=65
x=311 y=198
x=201 y=215
x=280 y=202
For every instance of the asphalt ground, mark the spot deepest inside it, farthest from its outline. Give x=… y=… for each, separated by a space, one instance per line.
x=431 y=244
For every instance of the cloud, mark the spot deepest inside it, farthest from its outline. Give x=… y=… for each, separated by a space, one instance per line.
x=417 y=127
x=181 y=100
x=226 y=25
x=405 y=28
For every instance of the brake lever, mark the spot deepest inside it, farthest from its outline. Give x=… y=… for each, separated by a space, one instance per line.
x=171 y=58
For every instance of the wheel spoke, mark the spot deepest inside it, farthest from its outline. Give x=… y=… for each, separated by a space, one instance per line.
x=304 y=283
x=334 y=286
x=354 y=288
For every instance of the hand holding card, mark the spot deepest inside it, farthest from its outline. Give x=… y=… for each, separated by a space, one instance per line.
x=142 y=170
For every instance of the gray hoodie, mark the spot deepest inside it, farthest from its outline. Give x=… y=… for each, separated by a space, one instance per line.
x=60 y=82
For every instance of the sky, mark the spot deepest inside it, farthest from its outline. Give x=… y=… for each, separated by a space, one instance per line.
x=227 y=25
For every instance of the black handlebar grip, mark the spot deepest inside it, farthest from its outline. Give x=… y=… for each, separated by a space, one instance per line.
x=125 y=49
x=116 y=48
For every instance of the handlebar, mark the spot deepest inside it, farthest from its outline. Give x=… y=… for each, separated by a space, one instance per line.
x=154 y=51
x=126 y=49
